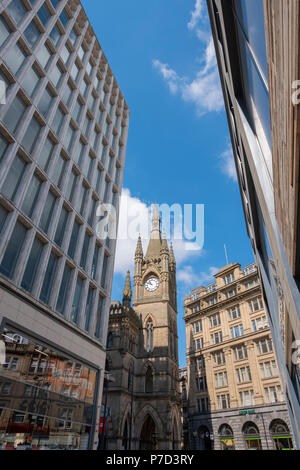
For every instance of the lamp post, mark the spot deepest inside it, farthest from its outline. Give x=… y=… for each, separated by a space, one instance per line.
x=131 y=408
x=262 y=417
x=107 y=378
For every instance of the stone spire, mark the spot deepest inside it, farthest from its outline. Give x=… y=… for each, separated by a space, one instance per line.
x=127 y=292
x=164 y=246
x=172 y=257
x=139 y=248
x=154 y=246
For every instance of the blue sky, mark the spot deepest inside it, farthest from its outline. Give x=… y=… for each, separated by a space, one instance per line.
x=178 y=148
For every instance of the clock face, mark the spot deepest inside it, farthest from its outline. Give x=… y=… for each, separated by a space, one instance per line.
x=152 y=284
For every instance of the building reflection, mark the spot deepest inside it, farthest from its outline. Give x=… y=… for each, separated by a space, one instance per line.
x=46 y=399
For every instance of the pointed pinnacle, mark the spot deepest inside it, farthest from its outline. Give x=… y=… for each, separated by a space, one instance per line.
x=139 y=248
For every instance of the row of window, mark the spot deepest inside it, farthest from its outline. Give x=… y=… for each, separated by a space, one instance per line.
x=33 y=273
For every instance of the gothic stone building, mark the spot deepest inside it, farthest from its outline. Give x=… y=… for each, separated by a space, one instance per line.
x=142 y=357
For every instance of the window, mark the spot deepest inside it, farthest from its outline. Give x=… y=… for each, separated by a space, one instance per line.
x=73 y=36
x=149 y=336
x=56 y=75
x=228 y=279
x=197 y=327
x=55 y=35
x=81 y=53
x=77 y=110
x=72 y=186
x=4 y=30
x=75 y=70
x=221 y=379
x=212 y=301
x=268 y=369
x=83 y=87
x=259 y=323
x=45 y=155
x=32 y=265
x=274 y=394
x=264 y=346
x=65 y=53
x=234 y=313
x=104 y=269
x=240 y=352
x=67 y=93
x=32 y=195
x=45 y=101
x=247 y=398
x=223 y=402
x=47 y=212
x=89 y=167
x=76 y=300
x=92 y=212
x=203 y=405
x=74 y=239
x=3 y=215
x=43 y=55
x=84 y=252
x=79 y=152
x=44 y=14
x=219 y=357
x=200 y=363
x=86 y=125
x=95 y=261
x=255 y=305
x=198 y=344
x=61 y=226
x=231 y=293
x=64 y=289
x=201 y=383
x=13 y=179
x=243 y=374
x=13 y=250
x=69 y=137
x=98 y=180
x=59 y=171
x=237 y=331
x=215 y=320
x=89 y=307
x=99 y=317
x=49 y=278
x=58 y=120
x=64 y=18
x=16 y=57
x=31 y=135
x=14 y=114
x=31 y=34
x=4 y=144
x=216 y=338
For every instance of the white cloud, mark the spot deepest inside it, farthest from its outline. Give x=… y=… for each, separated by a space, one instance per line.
x=129 y=228
x=227 y=164
x=196 y=14
x=189 y=277
x=204 y=90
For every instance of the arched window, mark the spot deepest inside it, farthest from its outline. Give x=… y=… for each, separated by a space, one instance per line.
x=149 y=334
x=226 y=437
x=149 y=380
x=252 y=436
x=281 y=435
x=109 y=340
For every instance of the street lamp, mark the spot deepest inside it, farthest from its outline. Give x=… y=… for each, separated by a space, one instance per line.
x=107 y=378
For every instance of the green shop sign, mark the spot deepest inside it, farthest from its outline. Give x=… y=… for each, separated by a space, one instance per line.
x=246 y=412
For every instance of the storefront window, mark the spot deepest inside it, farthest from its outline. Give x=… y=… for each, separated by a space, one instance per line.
x=46 y=398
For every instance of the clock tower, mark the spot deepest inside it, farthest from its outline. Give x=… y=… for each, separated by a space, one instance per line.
x=143 y=352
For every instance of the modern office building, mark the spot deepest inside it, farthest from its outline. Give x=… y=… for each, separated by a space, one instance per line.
x=142 y=355
x=63 y=133
x=234 y=393
x=257 y=47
